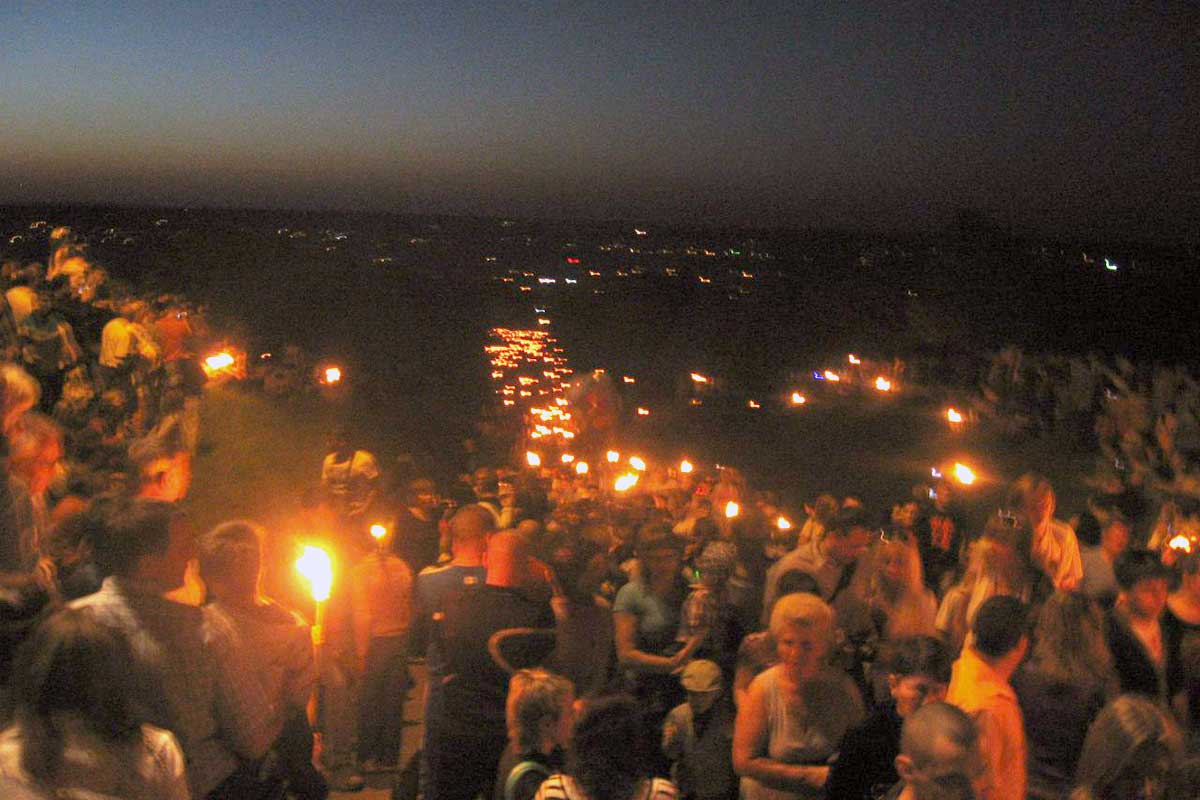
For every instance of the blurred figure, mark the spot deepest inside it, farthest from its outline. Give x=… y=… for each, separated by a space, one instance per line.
x=939 y=755
x=35 y=451
x=1129 y=752
x=75 y=724
x=48 y=349
x=1182 y=627
x=1061 y=688
x=350 y=478
x=831 y=560
x=1053 y=547
x=539 y=713
x=417 y=538
x=918 y=673
x=796 y=713
x=596 y=770
x=697 y=733
x=1134 y=627
x=19 y=393
x=899 y=602
x=979 y=685
x=940 y=538
x=1100 y=544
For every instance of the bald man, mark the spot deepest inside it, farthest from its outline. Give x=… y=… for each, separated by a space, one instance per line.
x=465 y=728
x=939 y=755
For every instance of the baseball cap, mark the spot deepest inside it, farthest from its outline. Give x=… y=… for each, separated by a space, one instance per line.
x=701 y=675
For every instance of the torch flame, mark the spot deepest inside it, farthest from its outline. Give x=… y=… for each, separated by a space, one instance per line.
x=964 y=474
x=643 y=412
x=333 y=375
x=581 y=468
x=378 y=532
x=1181 y=543
x=953 y=417
x=732 y=509
x=219 y=361
x=685 y=466
x=698 y=378
x=798 y=399
x=883 y=384
x=625 y=482
x=783 y=523
x=317 y=568
x=567 y=458
x=613 y=456
x=533 y=459
x=637 y=463
x=853 y=359
x=830 y=375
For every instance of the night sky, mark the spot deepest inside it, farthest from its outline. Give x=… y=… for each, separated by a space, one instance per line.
x=779 y=112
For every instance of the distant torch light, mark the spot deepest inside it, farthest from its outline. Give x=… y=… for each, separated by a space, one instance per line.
x=853 y=359
x=612 y=456
x=698 y=378
x=1181 y=543
x=378 y=532
x=953 y=416
x=637 y=463
x=333 y=375
x=625 y=482
x=798 y=399
x=543 y=321
x=581 y=468
x=732 y=509
x=935 y=472
x=567 y=458
x=964 y=474
x=883 y=384
x=533 y=459
x=686 y=467
x=753 y=404
x=317 y=568
x=832 y=376
x=783 y=523
x=219 y=361
x=628 y=379
x=643 y=412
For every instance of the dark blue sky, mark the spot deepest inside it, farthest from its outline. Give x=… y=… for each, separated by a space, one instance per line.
x=727 y=111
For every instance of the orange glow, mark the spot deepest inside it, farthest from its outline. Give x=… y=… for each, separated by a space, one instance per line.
x=637 y=463
x=685 y=466
x=883 y=384
x=643 y=412
x=317 y=568
x=853 y=359
x=698 y=378
x=533 y=459
x=753 y=404
x=219 y=361
x=1181 y=543
x=629 y=379
x=783 y=523
x=798 y=399
x=378 y=532
x=953 y=417
x=333 y=375
x=830 y=375
x=964 y=474
x=732 y=509
x=625 y=482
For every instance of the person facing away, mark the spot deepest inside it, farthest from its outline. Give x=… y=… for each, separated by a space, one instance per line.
x=939 y=755
x=698 y=735
x=191 y=674
x=979 y=685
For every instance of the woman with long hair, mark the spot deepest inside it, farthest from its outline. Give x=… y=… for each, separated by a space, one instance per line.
x=895 y=590
x=1062 y=688
x=73 y=726
x=1129 y=752
x=604 y=761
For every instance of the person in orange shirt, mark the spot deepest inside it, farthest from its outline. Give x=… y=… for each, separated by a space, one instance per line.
x=979 y=685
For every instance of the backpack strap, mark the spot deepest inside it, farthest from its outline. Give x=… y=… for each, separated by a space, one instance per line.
x=520 y=771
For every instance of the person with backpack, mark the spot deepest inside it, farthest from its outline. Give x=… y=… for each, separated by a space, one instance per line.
x=539 y=715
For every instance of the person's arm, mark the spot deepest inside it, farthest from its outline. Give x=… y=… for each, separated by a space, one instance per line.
x=672 y=734
x=750 y=744
x=625 y=632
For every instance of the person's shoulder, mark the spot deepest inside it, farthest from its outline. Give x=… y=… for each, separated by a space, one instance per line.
x=629 y=595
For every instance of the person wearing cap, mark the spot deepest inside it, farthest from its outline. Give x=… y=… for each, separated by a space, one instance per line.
x=705 y=621
x=697 y=736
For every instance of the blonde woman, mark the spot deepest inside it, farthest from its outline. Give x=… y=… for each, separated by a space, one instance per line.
x=900 y=603
x=794 y=714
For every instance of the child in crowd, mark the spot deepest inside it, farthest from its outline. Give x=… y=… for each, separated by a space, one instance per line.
x=704 y=620
x=698 y=736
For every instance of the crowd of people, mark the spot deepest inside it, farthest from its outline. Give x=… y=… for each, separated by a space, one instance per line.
x=680 y=638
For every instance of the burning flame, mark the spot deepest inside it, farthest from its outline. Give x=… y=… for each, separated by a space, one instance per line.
x=964 y=474
x=219 y=361
x=883 y=384
x=567 y=458
x=753 y=404
x=798 y=399
x=533 y=459
x=853 y=359
x=830 y=375
x=685 y=466
x=1181 y=543
x=643 y=412
x=698 y=378
x=625 y=482
x=333 y=375
x=628 y=379
x=581 y=468
x=378 y=532
x=732 y=509
x=613 y=456
x=783 y=523
x=317 y=568
x=953 y=417
x=637 y=463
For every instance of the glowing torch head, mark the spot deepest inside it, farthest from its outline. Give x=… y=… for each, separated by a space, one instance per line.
x=625 y=482
x=783 y=523
x=798 y=399
x=637 y=463
x=883 y=384
x=317 y=568
x=686 y=467
x=378 y=532
x=332 y=375
x=964 y=474
x=732 y=509
x=612 y=456
x=953 y=416
x=533 y=459
x=581 y=468
x=1181 y=543
x=219 y=361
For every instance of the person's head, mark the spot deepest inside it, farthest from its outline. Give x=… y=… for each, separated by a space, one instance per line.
x=604 y=755
x=716 y=563
x=939 y=753
x=422 y=494
x=918 y=669
x=802 y=628
x=142 y=539
x=230 y=560
x=797 y=580
x=1069 y=646
x=337 y=441
x=824 y=508
x=1033 y=496
x=848 y=535
x=507 y=559
x=659 y=551
x=1087 y=530
x=1000 y=630
x=539 y=710
x=485 y=483
x=19 y=392
x=1114 y=535
x=1128 y=753
x=162 y=464
x=1143 y=580
x=897 y=565
x=35 y=451
x=701 y=679
x=469 y=530
x=72 y=669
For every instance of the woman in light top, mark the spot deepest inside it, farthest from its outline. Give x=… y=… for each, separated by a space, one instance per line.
x=795 y=713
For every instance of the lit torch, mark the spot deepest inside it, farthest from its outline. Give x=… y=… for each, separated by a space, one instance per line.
x=686 y=467
x=732 y=509
x=625 y=482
